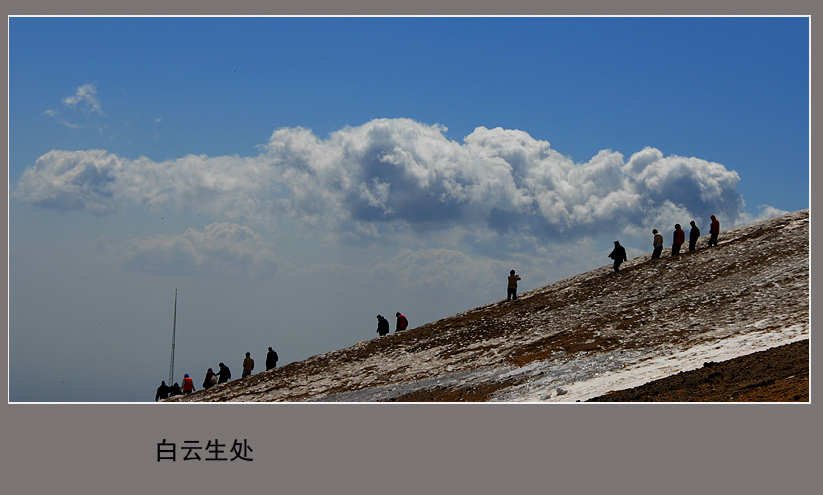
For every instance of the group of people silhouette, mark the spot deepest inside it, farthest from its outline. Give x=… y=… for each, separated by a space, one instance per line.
x=383 y=324
x=223 y=375
x=678 y=239
x=618 y=254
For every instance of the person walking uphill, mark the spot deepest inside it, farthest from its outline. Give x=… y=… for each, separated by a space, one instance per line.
x=714 y=230
x=694 y=235
x=162 y=391
x=188 y=385
x=658 y=244
x=207 y=381
x=223 y=374
x=679 y=239
x=175 y=390
x=511 y=293
x=248 y=365
x=271 y=359
x=618 y=255
x=382 y=326
x=402 y=323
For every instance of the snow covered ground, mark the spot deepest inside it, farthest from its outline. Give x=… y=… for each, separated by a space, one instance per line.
x=578 y=338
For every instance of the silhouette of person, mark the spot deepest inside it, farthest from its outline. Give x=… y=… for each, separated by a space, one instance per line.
x=248 y=365
x=678 y=240
x=694 y=235
x=382 y=326
x=618 y=254
x=511 y=291
x=162 y=392
x=223 y=374
x=175 y=390
x=271 y=359
x=714 y=231
x=208 y=381
x=658 y=244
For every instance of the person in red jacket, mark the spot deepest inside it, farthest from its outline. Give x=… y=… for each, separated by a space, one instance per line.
x=188 y=385
x=402 y=323
x=679 y=239
x=714 y=230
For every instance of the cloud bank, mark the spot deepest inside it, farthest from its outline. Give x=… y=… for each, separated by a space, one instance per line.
x=222 y=250
x=392 y=177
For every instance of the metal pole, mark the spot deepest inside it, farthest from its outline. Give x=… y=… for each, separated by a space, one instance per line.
x=173 y=331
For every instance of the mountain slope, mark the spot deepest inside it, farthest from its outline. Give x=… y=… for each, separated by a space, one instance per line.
x=780 y=374
x=577 y=338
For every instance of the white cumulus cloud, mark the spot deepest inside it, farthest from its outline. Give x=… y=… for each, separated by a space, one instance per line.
x=397 y=176
x=70 y=180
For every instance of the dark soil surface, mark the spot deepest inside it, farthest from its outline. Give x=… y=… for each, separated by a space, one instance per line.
x=780 y=374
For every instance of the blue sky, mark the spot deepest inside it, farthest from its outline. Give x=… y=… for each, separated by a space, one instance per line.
x=293 y=177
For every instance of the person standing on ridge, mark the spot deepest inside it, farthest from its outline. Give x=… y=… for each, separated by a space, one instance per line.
x=679 y=239
x=618 y=255
x=248 y=365
x=402 y=323
x=271 y=359
x=658 y=244
x=511 y=293
x=175 y=390
x=714 y=230
x=162 y=391
x=207 y=382
x=223 y=374
x=188 y=384
x=382 y=326
x=694 y=235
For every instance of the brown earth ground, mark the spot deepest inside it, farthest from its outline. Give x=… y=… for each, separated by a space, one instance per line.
x=779 y=374
x=756 y=280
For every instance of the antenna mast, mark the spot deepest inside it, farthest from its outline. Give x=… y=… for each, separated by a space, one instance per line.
x=173 y=331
